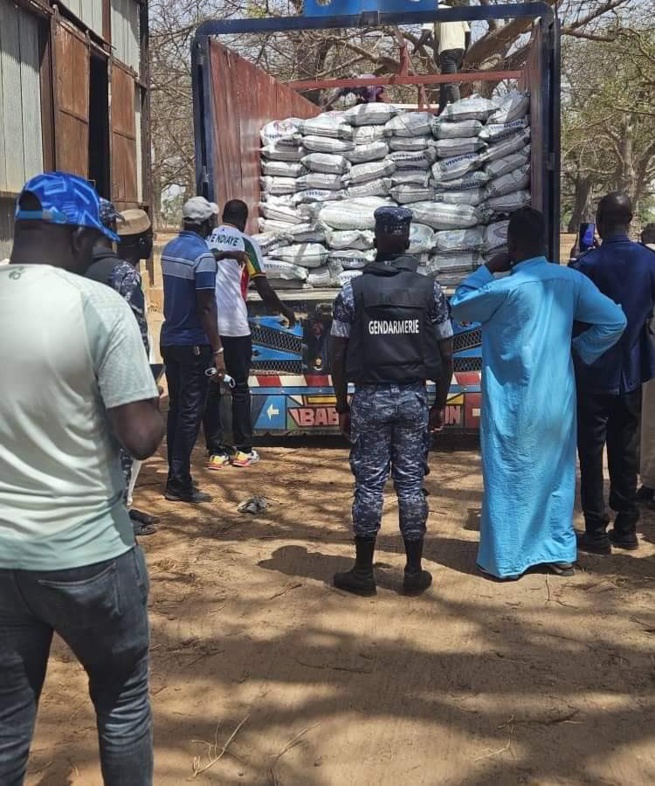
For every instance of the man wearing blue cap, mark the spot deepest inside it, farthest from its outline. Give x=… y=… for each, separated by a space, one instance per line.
x=76 y=387
x=391 y=333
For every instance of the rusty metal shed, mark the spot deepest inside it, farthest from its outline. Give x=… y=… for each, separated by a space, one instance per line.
x=74 y=96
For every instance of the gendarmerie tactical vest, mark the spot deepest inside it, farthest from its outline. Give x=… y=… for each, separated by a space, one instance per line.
x=393 y=339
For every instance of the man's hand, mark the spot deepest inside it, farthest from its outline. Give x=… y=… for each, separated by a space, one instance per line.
x=290 y=317
x=499 y=263
x=219 y=365
x=436 y=422
x=344 y=424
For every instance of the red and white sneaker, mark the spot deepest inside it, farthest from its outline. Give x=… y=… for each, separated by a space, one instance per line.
x=241 y=459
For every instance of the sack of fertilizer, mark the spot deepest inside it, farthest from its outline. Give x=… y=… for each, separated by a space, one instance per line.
x=504 y=165
x=443 y=129
x=421 y=239
x=362 y=154
x=328 y=125
x=357 y=239
x=351 y=213
x=363 y=173
x=307 y=233
x=420 y=159
x=373 y=188
x=277 y=186
x=303 y=254
x=365 y=135
x=514 y=106
x=282 y=131
x=410 y=124
x=441 y=216
x=320 y=181
x=495 y=236
x=469 y=181
x=325 y=163
x=455 y=263
x=277 y=269
x=512 y=145
x=450 y=148
x=411 y=143
x=471 y=196
x=280 y=213
x=352 y=259
x=499 y=132
x=267 y=241
x=458 y=240
x=286 y=200
x=321 y=278
x=517 y=180
x=313 y=195
x=280 y=152
x=508 y=204
x=408 y=193
x=282 y=169
x=370 y=114
x=347 y=276
x=473 y=108
x=454 y=168
x=416 y=177
x=268 y=226
x=324 y=144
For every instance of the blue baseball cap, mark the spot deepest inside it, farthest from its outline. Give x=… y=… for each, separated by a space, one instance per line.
x=393 y=220
x=65 y=199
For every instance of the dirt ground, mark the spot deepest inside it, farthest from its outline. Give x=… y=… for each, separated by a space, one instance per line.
x=544 y=681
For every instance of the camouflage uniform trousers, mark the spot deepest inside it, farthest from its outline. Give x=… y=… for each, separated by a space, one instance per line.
x=389 y=435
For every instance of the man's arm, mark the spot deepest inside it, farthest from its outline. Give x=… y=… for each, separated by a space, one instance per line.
x=271 y=300
x=478 y=297
x=205 y=278
x=343 y=314
x=338 y=351
x=127 y=282
x=440 y=317
x=138 y=426
x=443 y=384
x=606 y=319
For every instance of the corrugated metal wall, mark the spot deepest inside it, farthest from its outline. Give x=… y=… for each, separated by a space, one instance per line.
x=21 y=146
x=89 y=11
x=125 y=32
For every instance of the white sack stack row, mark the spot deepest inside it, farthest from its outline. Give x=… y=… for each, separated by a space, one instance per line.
x=461 y=174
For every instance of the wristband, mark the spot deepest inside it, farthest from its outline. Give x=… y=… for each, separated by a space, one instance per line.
x=219 y=351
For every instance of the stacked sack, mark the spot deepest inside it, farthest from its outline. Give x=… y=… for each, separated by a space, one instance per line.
x=461 y=175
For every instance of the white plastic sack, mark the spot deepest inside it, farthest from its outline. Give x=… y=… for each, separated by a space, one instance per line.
x=285 y=271
x=421 y=239
x=327 y=124
x=455 y=263
x=352 y=259
x=303 y=254
x=495 y=236
x=411 y=143
x=326 y=163
x=266 y=241
x=351 y=213
x=506 y=205
x=498 y=132
x=513 y=106
x=320 y=181
x=374 y=188
x=282 y=168
x=514 y=144
x=417 y=177
x=279 y=185
x=441 y=216
x=321 y=278
x=324 y=144
x=443 y=129
x=458 y=240
x=269 y=226
x=421 y=159
x=357 y=239
x=411 y=124
x=279 y=213
x=279 y=152
x=307 y=233
x=408 y=193
x=504 y=165
x=471 y=196
x=517 y=180
x=370 y=114
x=450 y=148
x=471 y=180
x=363 y=173
x=364 y=135
x=454 y=168
x=286 y=200
x=317 y=195
x=362 y=154
x=473 y=108
x=280 y=131
x=347 y=276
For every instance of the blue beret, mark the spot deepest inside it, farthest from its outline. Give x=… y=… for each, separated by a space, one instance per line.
x=393 y=220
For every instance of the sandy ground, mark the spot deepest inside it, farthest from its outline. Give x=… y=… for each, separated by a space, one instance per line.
x=544 y=681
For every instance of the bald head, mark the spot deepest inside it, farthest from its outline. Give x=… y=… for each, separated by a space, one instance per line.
x=614 y=214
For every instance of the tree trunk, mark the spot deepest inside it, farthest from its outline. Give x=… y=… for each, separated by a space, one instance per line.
x=582 y=209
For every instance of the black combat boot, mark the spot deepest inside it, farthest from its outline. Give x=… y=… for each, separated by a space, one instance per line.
x=360 y=580
x=416 y=579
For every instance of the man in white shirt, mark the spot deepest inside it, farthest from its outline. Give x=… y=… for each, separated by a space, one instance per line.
x=75 y=387
x=451 y=40
x=233 y=278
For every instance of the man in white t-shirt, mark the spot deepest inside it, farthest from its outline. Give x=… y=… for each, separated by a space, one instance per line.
x=233 y=278
x=75 y=387
x=451 y=40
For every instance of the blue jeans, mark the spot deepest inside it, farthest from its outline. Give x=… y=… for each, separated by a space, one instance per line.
x=101 y=612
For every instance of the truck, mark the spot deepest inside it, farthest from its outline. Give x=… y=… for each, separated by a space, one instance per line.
x=233 y=99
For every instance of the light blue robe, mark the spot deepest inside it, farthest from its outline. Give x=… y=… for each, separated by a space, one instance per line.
x=528 y=428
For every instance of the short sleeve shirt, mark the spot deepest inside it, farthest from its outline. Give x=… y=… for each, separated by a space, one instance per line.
x=71 y=350
x=187 y=267
x=450 y=35
x=233 y=279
